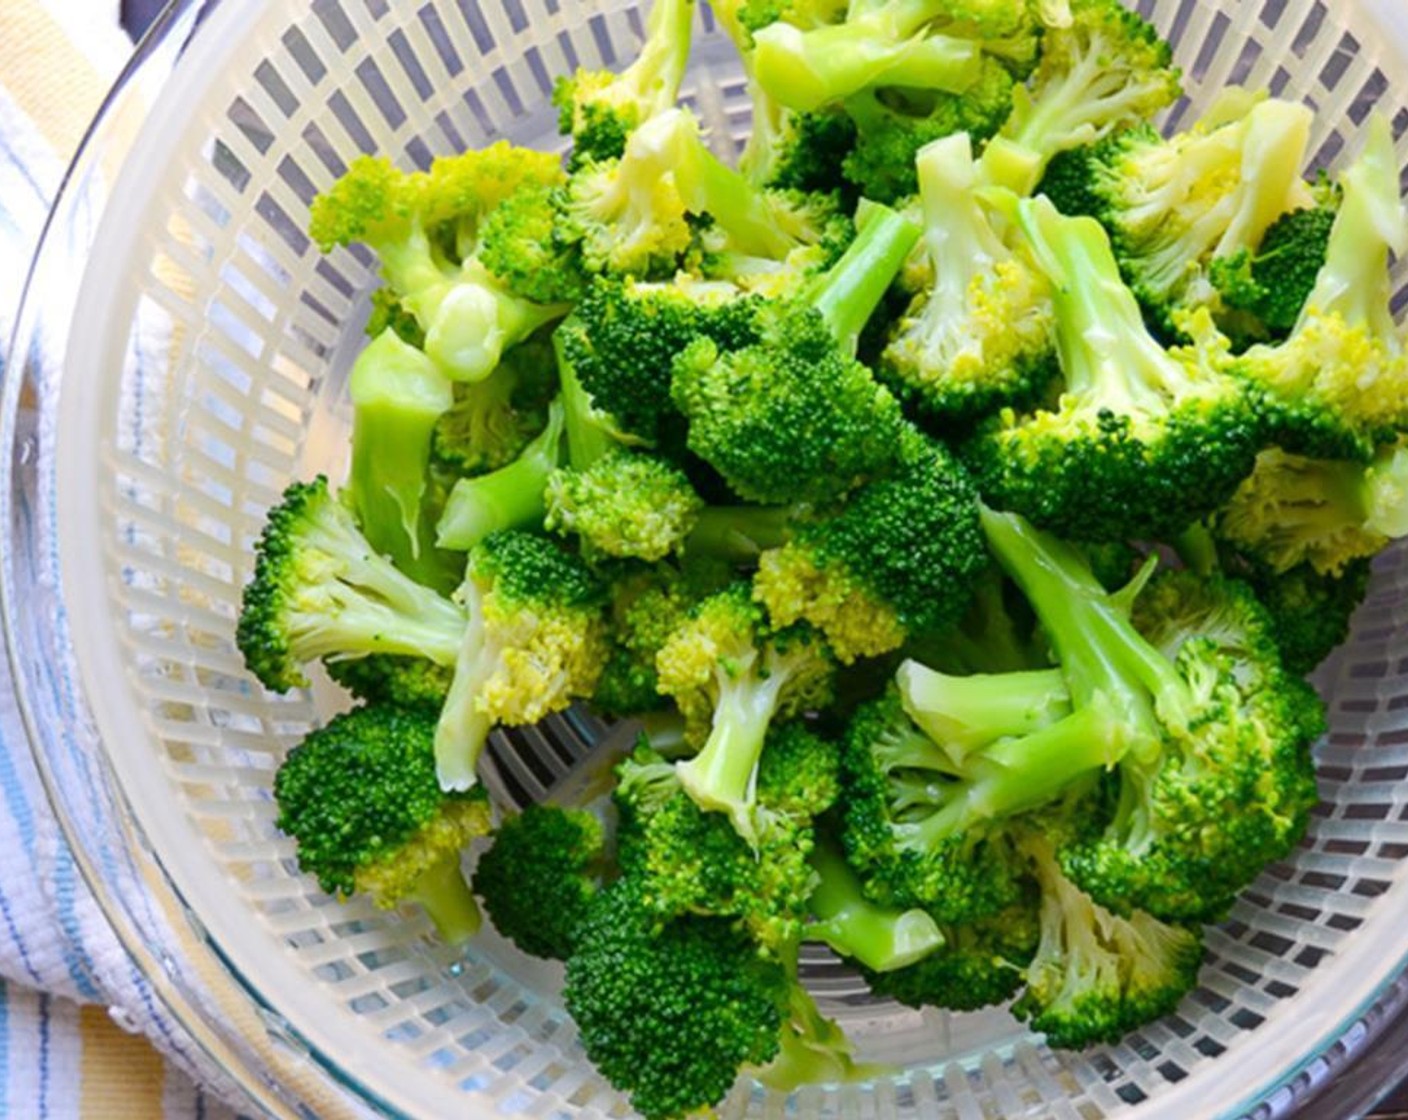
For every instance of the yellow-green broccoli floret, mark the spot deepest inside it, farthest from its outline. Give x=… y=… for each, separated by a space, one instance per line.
x=627 y=504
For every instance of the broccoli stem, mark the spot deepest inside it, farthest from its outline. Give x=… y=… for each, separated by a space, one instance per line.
x=812 y=1048
x=1104 y=659
x=709 y=186
x=587 y=439
x=881 y=938
x=463 y=729
x=848 y=293
x=511 y=497
x=397 y=396
x=1272 y=155
x=446 y=898
x=654 y=77
x=1197 y=549
x=470 y=322
x=1107 y=354
x=957 y=236
x=738 y=533
x=964 y=714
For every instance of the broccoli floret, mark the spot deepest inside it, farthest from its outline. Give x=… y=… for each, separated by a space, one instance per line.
x=893 y=125
x=1097 y=975
x=938 y=768
x=694 y=862
x=426 y=229
x=388 y=314
x=492 y=421
x=398 y=396
x=670 y=1015
x=407 y=682
x=627 y=504
x=1310 y=612
x=539 y=877
x=1339 y=382
x=997 y=634
x=535 y=641
x=512 y=497
x=599 y=109
x=795 y=417
x=754 y=15
x=360 y=799
x=519 y=245
x=878 y=938
x=900 y=557
x=319 y=590
x=980 y=335
x=1105 y=69
x=1143 y=440
x=794 y=151
x=1293 y=510
x=979 y=963
x=1205 y=734
x=732 y=676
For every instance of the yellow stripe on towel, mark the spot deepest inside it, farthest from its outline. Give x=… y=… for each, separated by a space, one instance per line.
x=50 y=80
x=123 y=1077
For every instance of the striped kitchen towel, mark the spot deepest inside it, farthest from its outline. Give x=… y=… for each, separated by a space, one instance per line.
x=73 y=1008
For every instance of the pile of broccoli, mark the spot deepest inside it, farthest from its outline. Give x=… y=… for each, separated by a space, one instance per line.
x=958 y=487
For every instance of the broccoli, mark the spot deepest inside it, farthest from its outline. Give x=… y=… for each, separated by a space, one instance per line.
x=881 y=939
x=694 y=862
x=1337 y=385
x=928 y=820
x=627 y=504
x=1293 y=510
x=997 y=634
x=492 y=421
x=980 y=335
x=535 y=640
x=1184 y=209
x=796 y=417
x=1098 y=975
x=1310 y=612
x=980 y=963
x=900 y=557
x=740 y=534
x=407 y=682
x=1143 y=440
x=387 y=313
x=539 y=877
x=891 y=126
x=426 y=227
x=1104 y=69
x=731 y=676
x=639 y=215
x=1204 y=733
x=512 y=497
x=359 y=798
x=599 y=109
x=793 y=151
x=398 y=395
x=319 y=590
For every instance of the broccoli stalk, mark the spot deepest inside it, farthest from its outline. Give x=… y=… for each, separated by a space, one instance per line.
x=599 y=109
x=512 y=497
x=969 y=713
x=738 y=533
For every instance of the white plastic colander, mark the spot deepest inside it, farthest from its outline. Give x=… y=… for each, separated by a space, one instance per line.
x=182 y=356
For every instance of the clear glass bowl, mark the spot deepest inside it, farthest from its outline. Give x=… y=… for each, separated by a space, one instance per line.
x=181 y=355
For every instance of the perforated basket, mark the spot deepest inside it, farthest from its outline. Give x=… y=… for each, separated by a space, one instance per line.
x=182 y=356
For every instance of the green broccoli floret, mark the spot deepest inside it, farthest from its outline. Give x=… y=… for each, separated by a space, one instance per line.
x=535 y=641
x=319 y=590
x=406 y=682
x=787 y=150
x=671 y=1015
x=599 y=109
x=1310 y=612
x=627 y=504
x=997 y=634
x=1097 y=975
x=1143 y=440
x=796 y=417
x=519 y=245
x=753 y=15
x=893 y=125
x=1339 y=382
x=398 y=396
x=492 y=421
x=900 y=557
x=388 y=314
x=1205 y=735
x=731 y=676
x=359 y=798
x=880 y=939
x=638 y=216
x=1180 y=209
x=426 y=229
x=512 y=497
x=1105 y=69
x=694 y=862
x=1293 y=510
x=979 y=963
x=980 y=335
x=938 y=768
x=540 y=876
